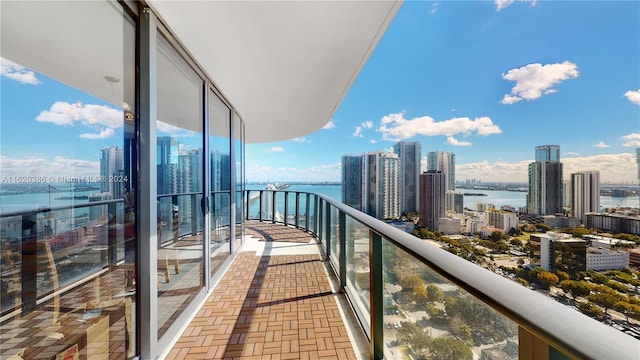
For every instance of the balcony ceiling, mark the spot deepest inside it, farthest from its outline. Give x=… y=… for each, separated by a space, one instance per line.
x=285 y=66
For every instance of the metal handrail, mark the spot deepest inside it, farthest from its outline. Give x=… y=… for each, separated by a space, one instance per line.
x=568 y=331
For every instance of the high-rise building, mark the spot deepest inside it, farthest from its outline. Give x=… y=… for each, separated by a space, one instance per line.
x=548 y=153
x=188 y=176
x=445 y=162
x=545 y=182
x=410 y=154
x=585 y=193
x=382 y=185
x=432 y=198
x=454 y=201
x=111 y=171
x=352 y=181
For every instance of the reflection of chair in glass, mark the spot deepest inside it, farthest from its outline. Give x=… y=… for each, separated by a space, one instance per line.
x=163 y=261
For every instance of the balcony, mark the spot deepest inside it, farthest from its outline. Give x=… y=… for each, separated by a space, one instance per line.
x=276 y=300
x=314 y=278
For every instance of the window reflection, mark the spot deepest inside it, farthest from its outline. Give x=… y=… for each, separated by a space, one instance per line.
x=220 y=145
x=67 y=196
x=180 y=185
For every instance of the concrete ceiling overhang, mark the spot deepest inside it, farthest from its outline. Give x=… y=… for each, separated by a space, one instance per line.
x=284 y=65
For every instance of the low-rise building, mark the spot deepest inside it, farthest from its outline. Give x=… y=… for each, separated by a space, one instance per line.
x=502 y=220
x=605 y=259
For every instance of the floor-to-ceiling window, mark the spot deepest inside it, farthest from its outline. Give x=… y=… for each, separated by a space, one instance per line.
x=220 y=155
x=180 y=180
x=68 y=180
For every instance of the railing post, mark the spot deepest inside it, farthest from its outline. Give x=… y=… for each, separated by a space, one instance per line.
x=194 y=215
x=327 y=227
x=307 y=214
x=286 y=208
x=112 y=237
x=320 y=216
x=273 y=207
x=376 y=296
x=297 y=215
x=248 y=197
x=260 y=205
x=342 y=235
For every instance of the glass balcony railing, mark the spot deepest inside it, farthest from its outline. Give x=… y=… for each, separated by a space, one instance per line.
x=415 y=300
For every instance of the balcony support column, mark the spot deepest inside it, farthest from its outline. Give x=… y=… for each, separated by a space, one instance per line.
x=273 y=207
x=376 y=290
x=147 y=235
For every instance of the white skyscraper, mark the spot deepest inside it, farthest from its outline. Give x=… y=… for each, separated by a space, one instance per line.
x=111 y=170
x=381 y=185
x=410 y=154
x=585 y=193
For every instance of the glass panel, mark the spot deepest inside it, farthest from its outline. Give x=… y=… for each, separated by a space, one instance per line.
x=180 y=185
x=220 y=148
x=312 y=213
x=291 y=211
x=425 y=315
x=302 y=210
x=357 y=255
x=67 y=201
x=280 y=214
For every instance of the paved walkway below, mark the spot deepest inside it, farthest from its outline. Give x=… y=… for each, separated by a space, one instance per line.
x=274 y=302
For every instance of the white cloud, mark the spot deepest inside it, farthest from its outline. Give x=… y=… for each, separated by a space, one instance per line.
x=501 y=4
x=364 y=125
x=434 y=9
x=301 y=140
x=613 y=168
x=173 y=130
x=17 y=72
x=373 y=141
x=395 y=127
x=358 y=132
x=631 y=140
x=57 y=167
x=454 y=142
x=367 y=124
x=275 y=149
x=571 y=153
x=601 y=145
x=64 y=113
x=103 y=134
x=534 y=80
x=329 y=125
x=633 y=96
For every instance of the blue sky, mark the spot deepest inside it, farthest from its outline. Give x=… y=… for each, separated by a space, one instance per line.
x=488 y=81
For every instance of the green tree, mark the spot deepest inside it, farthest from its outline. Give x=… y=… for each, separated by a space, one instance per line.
x=409 y=282
x=415 y=336
x=605 y=300
x=434 y=293
x=516 y=242
x=575 y=288
x=449 y=348
x=590 y=310
x=547 y=279
x=579 y=232
x=523 y=282
x=562 y=276
x=495 y=236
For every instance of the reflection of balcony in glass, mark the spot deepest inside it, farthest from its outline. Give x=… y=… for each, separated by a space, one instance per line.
x=220 y=170
x=111 y=169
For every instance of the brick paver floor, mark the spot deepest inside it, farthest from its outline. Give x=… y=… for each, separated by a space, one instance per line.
x=269 y=307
